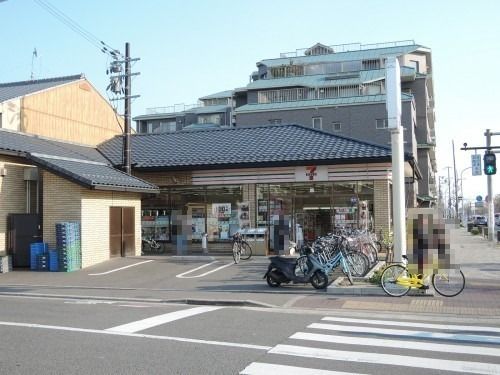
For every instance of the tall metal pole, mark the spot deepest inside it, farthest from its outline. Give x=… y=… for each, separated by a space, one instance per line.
x=449 y=194
x=393 y=105
x=126 y=140
x=491 y=214
x=462 y=191
x=455 y=175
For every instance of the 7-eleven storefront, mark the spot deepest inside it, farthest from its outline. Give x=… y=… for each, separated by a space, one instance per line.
x=297 y=202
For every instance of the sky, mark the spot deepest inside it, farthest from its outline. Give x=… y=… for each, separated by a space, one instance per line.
x=189 y=49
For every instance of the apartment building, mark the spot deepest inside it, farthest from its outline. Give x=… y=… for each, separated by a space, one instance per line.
x=339 y=89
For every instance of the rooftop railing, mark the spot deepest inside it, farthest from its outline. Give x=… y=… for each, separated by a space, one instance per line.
x=351 y=47
x=181 y=107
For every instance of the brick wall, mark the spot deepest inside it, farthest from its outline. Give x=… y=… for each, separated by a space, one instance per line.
x=12 y=194
x=382 y=205
x=67 y=201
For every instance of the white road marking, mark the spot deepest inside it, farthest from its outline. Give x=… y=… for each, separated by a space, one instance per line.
x=154 y=321
x=139 y=335
x=121 y=268
x=89 y=302
x=398 y=344
x=134 y=306
x=414 y=334
x=414 y=324
x=182 y=275
x=388 y=359
x=258 y=368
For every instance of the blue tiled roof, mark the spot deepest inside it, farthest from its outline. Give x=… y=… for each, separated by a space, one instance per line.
x=83 y=165
x=13 y=90
x=243 y=147
x=300 y=104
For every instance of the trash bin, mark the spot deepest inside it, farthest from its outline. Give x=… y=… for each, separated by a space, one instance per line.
x=469 y=227
x=258 y=240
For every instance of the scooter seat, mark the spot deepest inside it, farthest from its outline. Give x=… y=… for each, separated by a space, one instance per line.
x=283 y=259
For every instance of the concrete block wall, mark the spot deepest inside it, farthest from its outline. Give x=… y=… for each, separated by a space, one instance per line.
x=67 y=201
x=12 y=194
x=61 y=202
x=382 y=205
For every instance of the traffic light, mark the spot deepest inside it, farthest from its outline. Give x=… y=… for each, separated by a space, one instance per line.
x=490 y=164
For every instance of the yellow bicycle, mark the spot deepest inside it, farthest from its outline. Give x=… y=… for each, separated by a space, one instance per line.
x=397 y=281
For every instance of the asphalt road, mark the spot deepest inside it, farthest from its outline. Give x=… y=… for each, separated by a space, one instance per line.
x=70 y=336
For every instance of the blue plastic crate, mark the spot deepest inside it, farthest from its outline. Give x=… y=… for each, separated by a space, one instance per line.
x=36 y=249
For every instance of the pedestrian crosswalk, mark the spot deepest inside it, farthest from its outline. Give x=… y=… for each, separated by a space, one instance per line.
x=346 y=346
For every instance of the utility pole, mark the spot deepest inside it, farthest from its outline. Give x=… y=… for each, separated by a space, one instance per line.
x=126 y=140
x=116 y=87
x=393 y=106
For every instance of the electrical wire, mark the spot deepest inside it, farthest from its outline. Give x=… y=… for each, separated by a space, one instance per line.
x=73 y=25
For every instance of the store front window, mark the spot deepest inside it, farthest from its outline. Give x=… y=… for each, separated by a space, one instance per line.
x=191 y=211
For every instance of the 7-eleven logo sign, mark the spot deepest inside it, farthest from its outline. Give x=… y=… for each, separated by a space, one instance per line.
x=311 y=172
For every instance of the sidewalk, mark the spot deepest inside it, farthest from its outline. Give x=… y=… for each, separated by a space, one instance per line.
x=242 y=284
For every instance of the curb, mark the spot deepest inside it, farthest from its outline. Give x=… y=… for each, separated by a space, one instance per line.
x=186 y=301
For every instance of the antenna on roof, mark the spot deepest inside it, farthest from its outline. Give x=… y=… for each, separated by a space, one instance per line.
x=34 y=54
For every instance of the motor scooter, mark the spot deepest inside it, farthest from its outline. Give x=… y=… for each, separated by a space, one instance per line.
x=283 y=270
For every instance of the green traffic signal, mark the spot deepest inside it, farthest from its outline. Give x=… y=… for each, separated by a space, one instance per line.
x=490 y=167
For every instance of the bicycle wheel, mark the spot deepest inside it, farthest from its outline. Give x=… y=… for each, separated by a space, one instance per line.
x=246 y=251
x=370 y=253
x=346 y=270
x=389 y=280
x=358 y=263
x=236 y=252
x=449 y=283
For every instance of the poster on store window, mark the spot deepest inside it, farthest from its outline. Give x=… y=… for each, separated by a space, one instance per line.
x=244 y=214
x=221 y=210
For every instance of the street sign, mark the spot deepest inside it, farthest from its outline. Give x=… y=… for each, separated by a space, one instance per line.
x=476 y=165
x=479 y=198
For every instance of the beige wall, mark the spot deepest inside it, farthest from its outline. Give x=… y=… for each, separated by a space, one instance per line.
x=74 y=112
x=95 y=223
x=382 y=206
x=12 y=194
x=11 y=114
x=422 y=61
x=66 y=201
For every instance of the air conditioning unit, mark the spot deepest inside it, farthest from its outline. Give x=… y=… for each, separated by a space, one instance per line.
x=30 y=174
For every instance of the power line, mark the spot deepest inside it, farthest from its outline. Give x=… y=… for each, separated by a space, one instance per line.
x=77 y=28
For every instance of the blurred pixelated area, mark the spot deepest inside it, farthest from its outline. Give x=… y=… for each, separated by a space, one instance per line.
x=428 y=242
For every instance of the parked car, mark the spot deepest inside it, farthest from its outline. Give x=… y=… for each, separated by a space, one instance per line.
x=478 y=220
x=497 y=219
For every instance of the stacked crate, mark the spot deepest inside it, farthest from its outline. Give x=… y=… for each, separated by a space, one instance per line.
x=53 y=261
x=68 y=246
x=36 y=249
x=42 y=262
x=5 y=264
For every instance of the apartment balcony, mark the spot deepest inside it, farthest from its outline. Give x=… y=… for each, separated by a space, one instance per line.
x=176 y=108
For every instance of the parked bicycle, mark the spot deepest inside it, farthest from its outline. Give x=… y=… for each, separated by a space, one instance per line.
x=241 y=248
x=149 y=245
x=397 y=281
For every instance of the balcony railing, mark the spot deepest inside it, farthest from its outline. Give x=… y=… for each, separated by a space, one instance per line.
x=296 y=94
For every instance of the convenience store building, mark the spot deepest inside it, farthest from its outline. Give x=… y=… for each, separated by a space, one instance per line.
x=288 y=179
